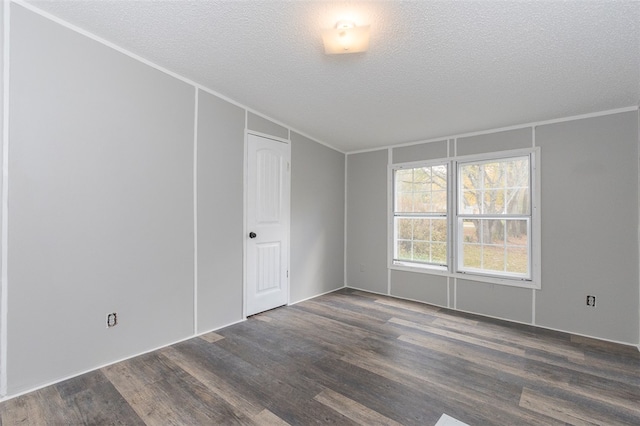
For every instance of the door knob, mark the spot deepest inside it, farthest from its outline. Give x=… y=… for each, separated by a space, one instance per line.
x=252 y=235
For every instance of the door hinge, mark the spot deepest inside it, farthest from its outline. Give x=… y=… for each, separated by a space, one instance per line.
x=287 y=274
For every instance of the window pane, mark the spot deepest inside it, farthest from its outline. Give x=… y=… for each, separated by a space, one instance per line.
x=421 y=229
x=439 y=230
x=404 y=180
x=439 y=253
x=422 y=202
x=404 y=202
x=422 y=240
x=493 y=201
x=470 y=202
x=517 y=171
x=492 y=231
x=495 y=187
x=493 y=175
x=493 y=258
x=421 y=190
x=518 y=201
x=404 y=229
x=472 y=254
x=470 y=231
x=439 y=178
x=517 y=233
x=404 y=250
x=421 y=251
x=517 y=260
x=495 y=245
x=470 y=174
x=439 y=201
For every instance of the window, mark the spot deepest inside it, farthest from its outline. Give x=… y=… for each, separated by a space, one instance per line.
x=494 y=217
x=466 y=216
x=420 y=215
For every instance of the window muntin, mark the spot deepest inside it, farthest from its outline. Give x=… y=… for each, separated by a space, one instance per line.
x=420 y=215
x=494 y=217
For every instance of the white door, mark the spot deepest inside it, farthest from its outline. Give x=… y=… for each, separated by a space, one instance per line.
x=268 y=192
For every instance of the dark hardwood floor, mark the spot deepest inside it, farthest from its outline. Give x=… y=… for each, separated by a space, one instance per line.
x=351 y=357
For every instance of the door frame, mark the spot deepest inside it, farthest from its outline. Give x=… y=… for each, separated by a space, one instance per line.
x=245 y=228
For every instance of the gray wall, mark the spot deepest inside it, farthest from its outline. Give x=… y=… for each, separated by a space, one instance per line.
x=1 y=154
x=494 y=142
x=590 y=222
x=317 y=218
x=427 y=288
x=367 y=221
x=262 y=125
x=2 y=124
x=589 y=206
x=220 y=206
x=101 y=206
x=425 y=151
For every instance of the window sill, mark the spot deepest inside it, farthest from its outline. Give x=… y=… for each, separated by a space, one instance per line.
x=443 y=271
x=510 y=282
x=425 y=269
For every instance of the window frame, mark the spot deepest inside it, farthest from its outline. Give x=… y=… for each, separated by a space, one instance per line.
x=453 y=245
x=392 y=249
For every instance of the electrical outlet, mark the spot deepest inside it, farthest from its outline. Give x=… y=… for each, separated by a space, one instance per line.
x=112 y=320
x=591 y=301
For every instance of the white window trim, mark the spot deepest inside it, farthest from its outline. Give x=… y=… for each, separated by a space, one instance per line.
x=452 y=246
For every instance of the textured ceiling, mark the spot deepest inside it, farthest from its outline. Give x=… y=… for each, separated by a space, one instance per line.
x=434 y=68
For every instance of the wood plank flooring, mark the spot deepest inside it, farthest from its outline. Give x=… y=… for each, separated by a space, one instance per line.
x=351 y=357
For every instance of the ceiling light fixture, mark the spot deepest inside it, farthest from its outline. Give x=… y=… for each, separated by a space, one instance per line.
x=345 y=38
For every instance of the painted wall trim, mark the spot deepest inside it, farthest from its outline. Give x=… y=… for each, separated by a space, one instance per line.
x=245 y=190
x=504 y=129
x=390 y=209
x=448 y=292
x=533 y=306
x=139 y=58
x=346 y=217
x=537 y=225
x=455 y=293
x=195 y=212
x=4 y=305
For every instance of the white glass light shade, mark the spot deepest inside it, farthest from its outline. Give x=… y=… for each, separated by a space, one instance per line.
x=345 y=38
